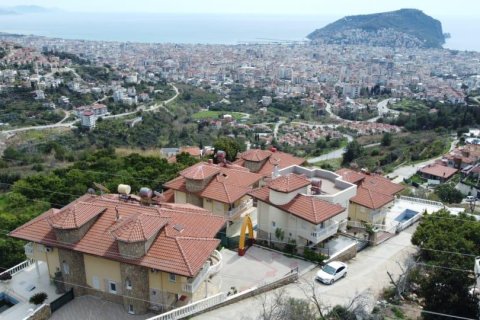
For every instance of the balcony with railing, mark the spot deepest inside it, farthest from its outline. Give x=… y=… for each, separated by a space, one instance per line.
x=192 y=284
x=29 y=250
x=28 y=278
x=242 y=207
x=376 y=215
x=318 y=234
x=216 y=263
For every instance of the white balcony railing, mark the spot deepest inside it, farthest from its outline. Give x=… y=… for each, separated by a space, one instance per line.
x=29 y=250
x=423 y=201
x=19 y=267
x=375 y=214
x=192 y=285
x=216 y=264
x=244 y=206
x=319 y=234
x=192 y=308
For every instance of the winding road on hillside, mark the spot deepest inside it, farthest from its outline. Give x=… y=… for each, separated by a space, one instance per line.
x=62 y=124
x=405 y=172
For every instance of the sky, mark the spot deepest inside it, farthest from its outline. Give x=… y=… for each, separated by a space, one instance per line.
x=436 y=8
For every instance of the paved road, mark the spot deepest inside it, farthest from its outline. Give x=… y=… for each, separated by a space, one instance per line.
x=328 y=108
x=155 y=107
x=63 y=124
x=336 y=154
x=367 y=274
x=277 y=126
x=405 y=172
x=383 y=109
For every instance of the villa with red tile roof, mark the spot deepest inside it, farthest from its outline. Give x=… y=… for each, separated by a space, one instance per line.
x=375 y=194
x=220 y=188
x=143 y=257
x=264 y=161
x=308 y=205
x=438 y=172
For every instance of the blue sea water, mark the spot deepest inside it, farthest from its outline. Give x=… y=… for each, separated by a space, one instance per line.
x=192 y=28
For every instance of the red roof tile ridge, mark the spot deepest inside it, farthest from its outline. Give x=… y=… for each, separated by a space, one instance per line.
x=371 y=199
x=189 y=267
x=226 y=191
x=199 y=211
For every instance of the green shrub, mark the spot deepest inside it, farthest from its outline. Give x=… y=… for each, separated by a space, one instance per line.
x=313 y=256
x=5 y=276
x=397 y=312
x=38 y=298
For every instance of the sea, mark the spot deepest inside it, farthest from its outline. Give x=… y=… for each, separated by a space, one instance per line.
x=199 y=28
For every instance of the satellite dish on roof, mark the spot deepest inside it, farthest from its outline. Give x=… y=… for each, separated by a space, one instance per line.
x=101 y=187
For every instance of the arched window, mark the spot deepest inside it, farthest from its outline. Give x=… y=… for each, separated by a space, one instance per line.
x=128 y=284
x=66 y=267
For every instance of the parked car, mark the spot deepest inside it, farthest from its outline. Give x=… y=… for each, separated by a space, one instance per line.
x=331 y=272
x=470 y=198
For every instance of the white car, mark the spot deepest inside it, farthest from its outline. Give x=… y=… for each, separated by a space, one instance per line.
x=331 y=272
x=470 y=198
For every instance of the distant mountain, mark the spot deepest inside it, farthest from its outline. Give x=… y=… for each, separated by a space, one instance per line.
x=405 y=27
x=29 y=9
x=5 y=12
x=25 y=10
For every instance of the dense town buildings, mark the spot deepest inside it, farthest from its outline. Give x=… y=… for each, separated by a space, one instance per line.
x=284 y=70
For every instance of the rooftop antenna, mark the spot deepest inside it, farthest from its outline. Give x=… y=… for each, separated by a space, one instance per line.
x=101 y=187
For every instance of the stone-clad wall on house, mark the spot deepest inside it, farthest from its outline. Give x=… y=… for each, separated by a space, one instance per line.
x=73 y=270
x=131 y=250
x=254 y=166
x=73 y=235
x=137 y=294
x=197 y=185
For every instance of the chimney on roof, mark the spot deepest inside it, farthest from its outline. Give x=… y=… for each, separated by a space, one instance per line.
x=275 y=172
x=316 y=186
x=146 y=195
x=117 y=215
x=221 y=156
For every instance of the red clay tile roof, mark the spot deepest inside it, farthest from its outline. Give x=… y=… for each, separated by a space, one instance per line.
x=73 y=217
x=193 y=151
x=370 y=198
x=181 y=251
x=227 y=187
x=200 y=171
x=372 y=182
x=288 y=183
x=350 y=175
x=381 y=184
x=308 y=208
x=256 y=155
x=439 y=171
x=138 y=227
x=279 y=158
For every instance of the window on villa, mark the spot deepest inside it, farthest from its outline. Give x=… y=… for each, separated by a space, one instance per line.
x=172 y=277
x=96 y=282
x=112 y=287
x=273 y=224
x=66 y=267
x=128 y=284
x=130 y=309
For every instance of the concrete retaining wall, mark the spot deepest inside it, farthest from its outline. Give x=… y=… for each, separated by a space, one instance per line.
x=41 y=313
x=345 y=255
x=254 y=291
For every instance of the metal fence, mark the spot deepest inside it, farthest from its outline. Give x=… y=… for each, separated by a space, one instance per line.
x=62 y=300
x=192 y=308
